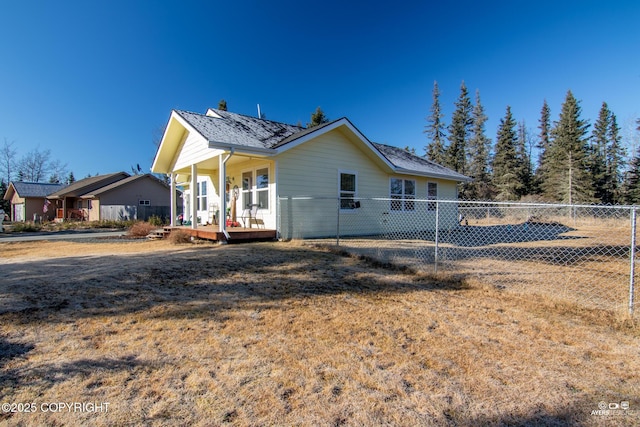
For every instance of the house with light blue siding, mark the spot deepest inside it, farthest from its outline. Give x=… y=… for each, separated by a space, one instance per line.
x=227 y=162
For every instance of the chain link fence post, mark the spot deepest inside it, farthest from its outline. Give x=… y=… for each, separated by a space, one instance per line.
x=436 y=238
x=338 y=222
x=632 y=265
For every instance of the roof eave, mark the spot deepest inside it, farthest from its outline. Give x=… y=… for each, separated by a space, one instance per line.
x=242 y=149
x=460 y=178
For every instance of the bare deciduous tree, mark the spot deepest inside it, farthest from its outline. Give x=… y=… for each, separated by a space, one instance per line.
x=7 y=160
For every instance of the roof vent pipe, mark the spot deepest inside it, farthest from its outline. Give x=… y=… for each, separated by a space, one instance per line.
x=259 y=113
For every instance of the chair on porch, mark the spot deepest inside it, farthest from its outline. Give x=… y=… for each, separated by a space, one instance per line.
x=250 y=216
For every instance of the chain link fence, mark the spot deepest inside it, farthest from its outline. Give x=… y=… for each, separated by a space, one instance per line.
x=581 y=254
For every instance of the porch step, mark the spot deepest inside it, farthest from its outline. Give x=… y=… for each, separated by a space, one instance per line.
x=160 y=233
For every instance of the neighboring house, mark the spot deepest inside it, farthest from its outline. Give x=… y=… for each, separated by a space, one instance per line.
x=28 y=199
x=135 y=197
x=255 y=161
x=116 y=196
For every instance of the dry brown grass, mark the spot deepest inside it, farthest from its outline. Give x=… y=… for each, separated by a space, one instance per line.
x=284 y=334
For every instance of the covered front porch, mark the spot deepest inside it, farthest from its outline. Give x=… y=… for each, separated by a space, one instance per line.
x=230 y=192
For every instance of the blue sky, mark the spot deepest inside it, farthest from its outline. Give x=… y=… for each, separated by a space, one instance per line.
x=92 y=81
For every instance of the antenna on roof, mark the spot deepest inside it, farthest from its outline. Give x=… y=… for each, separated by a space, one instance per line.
x=259 y=113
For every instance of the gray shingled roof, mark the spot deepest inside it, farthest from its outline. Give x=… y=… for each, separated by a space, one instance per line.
x=123 y=182
x=238 y=129
x=85 y=185
x=35 y=189
x=404 y=160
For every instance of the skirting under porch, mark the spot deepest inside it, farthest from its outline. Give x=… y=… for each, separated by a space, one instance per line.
x=236 y=234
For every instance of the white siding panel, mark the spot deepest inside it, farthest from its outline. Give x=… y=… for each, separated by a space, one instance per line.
x=194 y=150
x=312 y=169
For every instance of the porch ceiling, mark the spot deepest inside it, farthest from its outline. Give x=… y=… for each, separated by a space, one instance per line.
x=210 y=166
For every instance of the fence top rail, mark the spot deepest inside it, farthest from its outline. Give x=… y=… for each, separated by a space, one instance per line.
x=481 y=203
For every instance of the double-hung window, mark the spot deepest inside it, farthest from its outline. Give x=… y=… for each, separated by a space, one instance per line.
x=257 y=193
x=347 y=190
x=403 y=194
x=432 y=194
x=202 y=195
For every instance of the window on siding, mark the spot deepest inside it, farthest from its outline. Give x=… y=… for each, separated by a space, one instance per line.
x=432 y=194
x=403 y=194
x=144 y=203
x=247 y=188
x=202 y=195
x=262 y=188
x=347 y=190
x=257 y=193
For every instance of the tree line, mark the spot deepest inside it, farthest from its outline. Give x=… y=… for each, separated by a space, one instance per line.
x=577 y=163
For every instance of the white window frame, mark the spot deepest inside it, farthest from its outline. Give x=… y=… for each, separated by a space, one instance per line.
x=202 y=196
x=144 y=202
x=406 y=204
x=253 y=188
x=431 y=206
x=353 y=193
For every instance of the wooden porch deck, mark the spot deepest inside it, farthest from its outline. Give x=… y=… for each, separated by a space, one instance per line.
x=236 y=234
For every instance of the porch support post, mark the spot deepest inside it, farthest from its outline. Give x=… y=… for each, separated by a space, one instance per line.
x=194 y=196
x=172 y=199
x=222 y=186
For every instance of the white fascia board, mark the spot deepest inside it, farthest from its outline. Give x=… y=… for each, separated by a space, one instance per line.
x=242 y=149
x=431 y=175
x=338 y=123
x=190 y=129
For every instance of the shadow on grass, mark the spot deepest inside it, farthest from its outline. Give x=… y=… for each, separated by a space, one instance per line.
x=10 y=350
x=50 y=373
x=213 y=279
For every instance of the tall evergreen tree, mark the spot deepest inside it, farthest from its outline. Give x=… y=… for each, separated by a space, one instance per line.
x=616 y=154
x=459 y=130
x=632 y=181
x=544 y=141
x=567 y=176
x=598 y=153
x=317 y=118
x=523 y=153
x=435 y=149
x=222 y=105
x=505 y=161
x=479 y=147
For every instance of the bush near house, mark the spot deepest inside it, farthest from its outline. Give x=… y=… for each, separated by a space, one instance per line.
x=141 y=229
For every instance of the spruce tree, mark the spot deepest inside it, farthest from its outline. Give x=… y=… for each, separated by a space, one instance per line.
x=222 y=105
x=525 y=168
x=598 y=153
x=544 y=141
x=615 y=163
x=479 y=147
x=567 y=176
x=505 y=162
x=435 y=149
x=317 y=118
x=459 y=130
x=632 y=181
